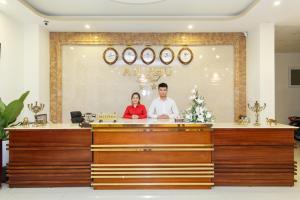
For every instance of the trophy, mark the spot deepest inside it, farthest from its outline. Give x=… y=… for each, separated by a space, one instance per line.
x=257 y=108
x=36 y=108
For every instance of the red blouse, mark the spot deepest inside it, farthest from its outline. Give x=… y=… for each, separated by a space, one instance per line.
x=139 y=110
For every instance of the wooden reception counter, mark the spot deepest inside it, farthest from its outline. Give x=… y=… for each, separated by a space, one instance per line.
x=146 y=154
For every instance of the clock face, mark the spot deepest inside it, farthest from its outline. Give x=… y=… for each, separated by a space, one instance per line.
x=110 y=56
x=148 y=55
x=185 y=56
x=166 y=55
x=129 y=55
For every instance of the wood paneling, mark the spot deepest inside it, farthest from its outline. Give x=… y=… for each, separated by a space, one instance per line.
x=172 y=137
x=158 y=158
x=254 y=157
x=136 y=159
x=43 y=158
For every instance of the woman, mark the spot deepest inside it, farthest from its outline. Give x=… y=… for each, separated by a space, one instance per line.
x=136 y=110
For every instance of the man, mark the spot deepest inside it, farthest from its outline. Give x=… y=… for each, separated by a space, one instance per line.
x=163 y=107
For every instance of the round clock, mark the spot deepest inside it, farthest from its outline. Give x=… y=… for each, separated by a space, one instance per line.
x=185 y=55
x=129 y=55
x=148 y=55
x=110 y=56
x=166 y=55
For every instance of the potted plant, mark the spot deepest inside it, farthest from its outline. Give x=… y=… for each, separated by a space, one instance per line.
x=8 y=115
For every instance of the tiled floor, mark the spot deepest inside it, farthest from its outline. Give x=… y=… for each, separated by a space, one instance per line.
x=222 y=193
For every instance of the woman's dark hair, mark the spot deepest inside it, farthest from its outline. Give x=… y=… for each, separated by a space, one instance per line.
x=138 y=94
x=163 y=85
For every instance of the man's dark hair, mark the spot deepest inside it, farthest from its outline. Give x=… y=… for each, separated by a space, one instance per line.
x=163 y=85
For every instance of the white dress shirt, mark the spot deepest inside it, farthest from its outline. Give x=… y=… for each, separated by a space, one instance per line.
x=163 y=107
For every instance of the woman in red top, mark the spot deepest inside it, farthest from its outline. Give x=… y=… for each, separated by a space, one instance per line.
x=136 y=110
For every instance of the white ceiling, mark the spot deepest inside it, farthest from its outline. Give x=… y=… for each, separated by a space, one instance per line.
x=217 y=17
x=140 y=8
x=287 y=39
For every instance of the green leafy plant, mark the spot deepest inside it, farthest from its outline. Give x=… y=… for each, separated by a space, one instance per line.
x=9 y=113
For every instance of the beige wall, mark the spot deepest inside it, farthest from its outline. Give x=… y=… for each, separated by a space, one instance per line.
x=90 y=85
x=287 y=98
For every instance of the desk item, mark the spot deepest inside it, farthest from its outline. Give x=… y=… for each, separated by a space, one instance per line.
x=257 y=108
x=271 y=121
x=36 y=108
x=107 y=117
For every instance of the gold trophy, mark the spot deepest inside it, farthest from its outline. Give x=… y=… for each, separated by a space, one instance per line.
x=257 y=108
x=36 y=108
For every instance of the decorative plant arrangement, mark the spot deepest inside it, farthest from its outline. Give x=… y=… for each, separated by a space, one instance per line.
x=198 y=111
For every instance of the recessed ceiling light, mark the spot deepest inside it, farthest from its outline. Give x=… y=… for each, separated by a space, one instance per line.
x=190 y=26
x=276 y=3
x=4 y=2
x=87 y=26
x=72 y=48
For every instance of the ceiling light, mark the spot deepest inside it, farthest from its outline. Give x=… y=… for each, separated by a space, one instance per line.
x=190 y=26
x=4 y=2
x=276 y=3
x=87 y=26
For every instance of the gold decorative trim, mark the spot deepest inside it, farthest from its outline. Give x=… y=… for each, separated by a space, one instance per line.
x=150 y=169
x=155 y=164
x=157 y=176
x=153 y=149
x=148 y=127
x=166 y=172
x=58 y=39
x=149 y=184
x=152 y=145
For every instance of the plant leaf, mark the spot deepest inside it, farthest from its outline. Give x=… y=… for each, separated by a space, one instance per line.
x=13 y=109
x=3 y=124
x=2 y=107
x=23 y=96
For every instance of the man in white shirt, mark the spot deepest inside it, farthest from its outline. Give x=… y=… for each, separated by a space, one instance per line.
x=163 y=107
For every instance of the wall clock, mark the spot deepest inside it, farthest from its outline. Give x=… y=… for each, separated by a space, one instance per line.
x=129 y=55
x=110 y=56
x=185 y=55
x=148 y=55
x=166 y=55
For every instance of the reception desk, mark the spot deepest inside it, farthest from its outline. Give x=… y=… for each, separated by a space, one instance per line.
x=147 y=154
